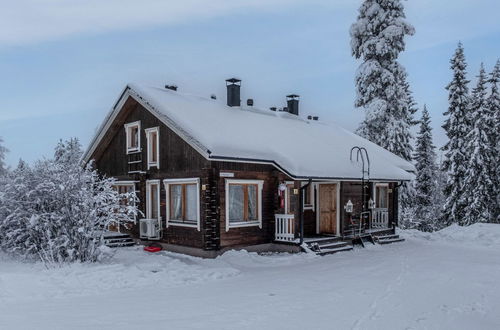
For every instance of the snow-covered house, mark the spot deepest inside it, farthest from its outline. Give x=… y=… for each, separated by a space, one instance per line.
x=212 y=175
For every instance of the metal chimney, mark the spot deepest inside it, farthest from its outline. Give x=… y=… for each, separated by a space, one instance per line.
x=233 y=92
x=292 y=101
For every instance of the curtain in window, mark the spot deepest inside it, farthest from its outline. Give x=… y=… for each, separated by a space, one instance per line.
x=382 y=197
x=176 y=202
x=252 y=202
x=191 y=199
x=236 y=201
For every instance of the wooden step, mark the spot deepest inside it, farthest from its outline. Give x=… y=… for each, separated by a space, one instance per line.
x=332 y=245
x=322 y=240
x=120 y=244
x=386 y=236
x=390 y=240
x=334 y=250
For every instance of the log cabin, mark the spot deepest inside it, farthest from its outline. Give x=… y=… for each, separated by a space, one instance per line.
x=214 y=175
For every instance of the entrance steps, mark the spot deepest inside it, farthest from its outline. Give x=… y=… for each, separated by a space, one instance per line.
x=115 y=240
x=327 y=245
x=388 y=239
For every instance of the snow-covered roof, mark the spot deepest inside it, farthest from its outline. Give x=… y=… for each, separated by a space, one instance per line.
x=299 y=147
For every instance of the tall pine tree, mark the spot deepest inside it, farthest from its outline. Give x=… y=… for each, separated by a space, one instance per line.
x=493 y=105
x=425 y=163
x=377 y=38
x=457 y=126
x=478 y=186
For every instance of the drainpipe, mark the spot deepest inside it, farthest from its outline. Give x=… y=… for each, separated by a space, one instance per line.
x=301 y=210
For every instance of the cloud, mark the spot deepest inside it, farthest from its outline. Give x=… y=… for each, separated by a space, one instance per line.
x=30 y=21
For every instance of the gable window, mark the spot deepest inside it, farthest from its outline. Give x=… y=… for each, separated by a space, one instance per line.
x=243 y=203
x=133 y=136
x=183 y=202
x=153 y=143
x=153 y=199
x=382 y=195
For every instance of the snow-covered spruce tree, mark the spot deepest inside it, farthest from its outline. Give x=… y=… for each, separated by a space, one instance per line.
x=382 y=87
x=425 y=163
x=56 y=211
x=478 y=190
x=493 y=105
x=377 y=38
x=457 y=126
x=3 y=151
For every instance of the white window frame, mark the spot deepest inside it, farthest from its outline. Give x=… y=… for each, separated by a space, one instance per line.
x=311 y=194
x=380 y=184
x=148 y=198
x=128 y=126
x=167 y=183
x=149 y=149
x=128 y=183
x=260 y=185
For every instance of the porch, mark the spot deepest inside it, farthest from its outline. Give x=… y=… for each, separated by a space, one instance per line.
x=376 y=222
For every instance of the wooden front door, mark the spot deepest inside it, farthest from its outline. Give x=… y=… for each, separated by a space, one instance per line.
x=328 y=209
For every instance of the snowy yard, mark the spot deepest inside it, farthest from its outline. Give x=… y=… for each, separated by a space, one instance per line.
x=446 y=280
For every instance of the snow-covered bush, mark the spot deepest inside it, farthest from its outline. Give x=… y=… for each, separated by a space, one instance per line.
x=56 y=210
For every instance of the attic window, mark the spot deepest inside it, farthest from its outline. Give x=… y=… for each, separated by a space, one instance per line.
x=133 y=136
x=153 y=139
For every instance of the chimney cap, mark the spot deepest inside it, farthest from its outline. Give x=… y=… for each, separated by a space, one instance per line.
x=233 y=80
x=293 y=96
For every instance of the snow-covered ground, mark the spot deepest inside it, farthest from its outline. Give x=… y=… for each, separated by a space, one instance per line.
x=445 y=280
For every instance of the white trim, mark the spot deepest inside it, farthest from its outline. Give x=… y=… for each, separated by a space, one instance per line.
x=127 y=137
x=148 y=146
x=260 y=184
x=316 y=187
x=167 y=183
x=148 y=198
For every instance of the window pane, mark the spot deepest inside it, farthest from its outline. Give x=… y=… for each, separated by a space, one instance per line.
x=191 y=199
x=154 y=201
x=134 y=131
x=235 y=200
x=252 y=202
x=382 y=197
x=154 y=147
x=176 y=202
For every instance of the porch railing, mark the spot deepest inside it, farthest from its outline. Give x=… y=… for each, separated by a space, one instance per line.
x=380 y=218
x=285 y=227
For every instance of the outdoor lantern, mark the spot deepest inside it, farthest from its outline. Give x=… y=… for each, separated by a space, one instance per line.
x=371 y=204
x=349 y=207
x=282 y=187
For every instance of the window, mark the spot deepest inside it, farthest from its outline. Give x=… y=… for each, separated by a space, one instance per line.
x=183 y=202
x=308 y=196
x=133 y=136
x=153 y=143
x=382 y=195
x=290 y=199
x=153 y=199
x=243 y=203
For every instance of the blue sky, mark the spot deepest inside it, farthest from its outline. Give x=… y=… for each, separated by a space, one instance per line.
x=63 y=63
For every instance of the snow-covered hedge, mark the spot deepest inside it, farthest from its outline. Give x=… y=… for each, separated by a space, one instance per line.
x=55 y=211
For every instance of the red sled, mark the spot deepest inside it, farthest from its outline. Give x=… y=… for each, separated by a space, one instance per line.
x=152 y=248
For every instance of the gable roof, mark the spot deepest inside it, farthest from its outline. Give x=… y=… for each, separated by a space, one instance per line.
x=301 y=148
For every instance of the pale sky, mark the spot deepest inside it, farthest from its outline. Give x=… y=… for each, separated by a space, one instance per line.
x=64 y=62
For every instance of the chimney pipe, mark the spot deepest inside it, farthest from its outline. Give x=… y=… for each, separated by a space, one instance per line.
x=293 y=104
x=233 y=92
x=171 y=87
x=250 y=102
